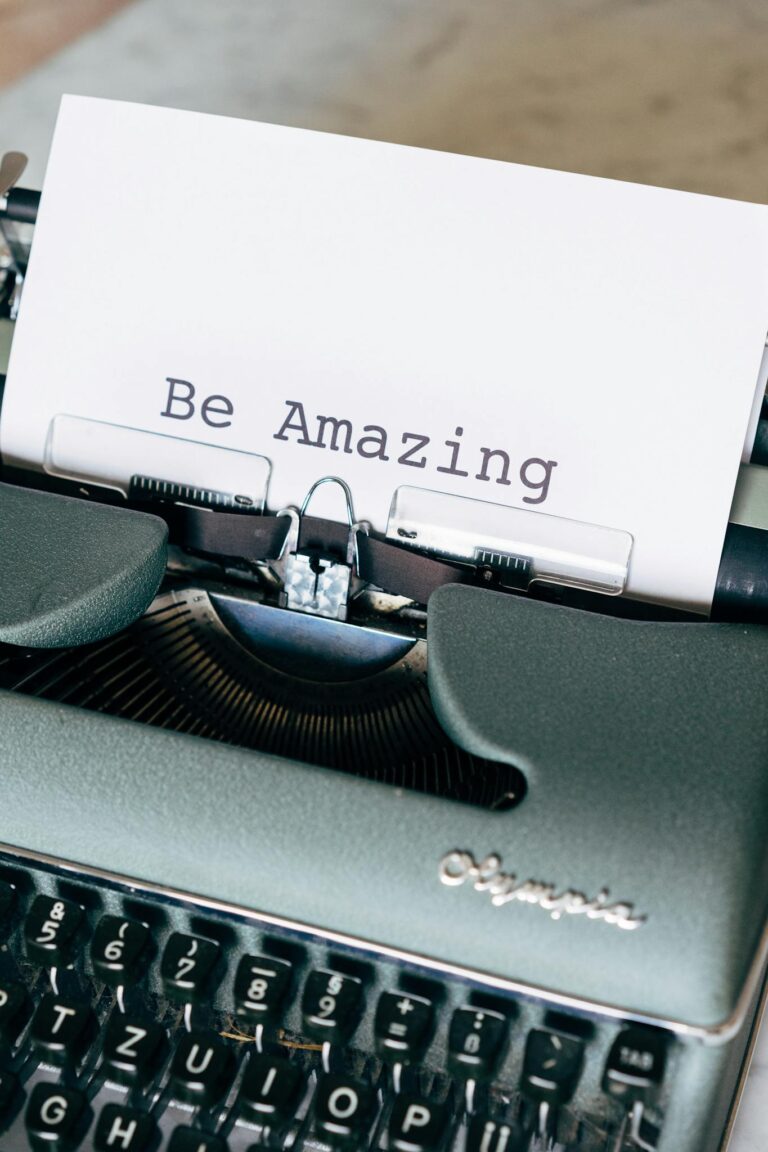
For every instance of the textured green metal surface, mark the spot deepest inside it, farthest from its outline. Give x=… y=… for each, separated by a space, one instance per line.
x=645 y=748
x=646 y=751
x=71 y=571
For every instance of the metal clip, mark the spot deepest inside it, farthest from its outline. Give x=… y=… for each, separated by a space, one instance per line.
x=318 y=582
x=13 y=268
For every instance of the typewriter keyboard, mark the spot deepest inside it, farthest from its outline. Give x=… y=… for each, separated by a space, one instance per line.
x=135 y=1020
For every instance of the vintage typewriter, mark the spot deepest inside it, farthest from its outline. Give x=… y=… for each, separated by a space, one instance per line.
x=313 y=837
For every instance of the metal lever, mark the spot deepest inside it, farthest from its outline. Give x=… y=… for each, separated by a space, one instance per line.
x=12 y=168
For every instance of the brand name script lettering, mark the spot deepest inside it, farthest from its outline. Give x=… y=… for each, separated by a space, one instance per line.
x=457 y=868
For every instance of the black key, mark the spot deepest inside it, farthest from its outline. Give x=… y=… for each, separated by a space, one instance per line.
x=202 y=1068
x=50 y=930
x=119 y=950
x=54 y=1116
x=261 y=986
x=271 y=1090
x=331 y=1005
x=62 y=1029
x=635 y=1064
x=485 y=1135
x=417 y=1125
x=188 y=966
x=552 y=1066
x=476 y=1042
x=7 y=901
x=121 y=1129
x=343 y=1110
x=15 y=1010
x=403 y=1026
x=133 y=1049
x=189 y=1140
x=9 y=1086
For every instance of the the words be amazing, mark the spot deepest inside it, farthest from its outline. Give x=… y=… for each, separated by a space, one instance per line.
x=336 y=434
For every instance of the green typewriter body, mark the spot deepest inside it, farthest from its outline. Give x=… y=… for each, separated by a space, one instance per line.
x=487 y=876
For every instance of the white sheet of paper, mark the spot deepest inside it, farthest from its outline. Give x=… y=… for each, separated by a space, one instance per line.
x=614 y=329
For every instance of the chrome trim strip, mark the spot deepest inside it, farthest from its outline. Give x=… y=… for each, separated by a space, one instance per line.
x=717 y=1034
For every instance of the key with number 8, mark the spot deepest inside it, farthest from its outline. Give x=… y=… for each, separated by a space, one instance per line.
x=261 y=986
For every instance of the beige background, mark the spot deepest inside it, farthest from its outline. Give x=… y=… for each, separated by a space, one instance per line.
x=673 y=92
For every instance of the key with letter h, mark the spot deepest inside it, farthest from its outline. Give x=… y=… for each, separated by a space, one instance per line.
x=121 y=1129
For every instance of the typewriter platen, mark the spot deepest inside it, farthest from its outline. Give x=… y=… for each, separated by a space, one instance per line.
x=279 y=871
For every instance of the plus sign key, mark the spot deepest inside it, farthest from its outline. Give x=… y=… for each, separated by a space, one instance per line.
x=403 y=1026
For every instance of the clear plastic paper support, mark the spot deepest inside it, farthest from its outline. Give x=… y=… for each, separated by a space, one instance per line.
x=545 y=548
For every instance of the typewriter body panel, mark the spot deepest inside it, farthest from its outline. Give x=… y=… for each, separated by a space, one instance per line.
x=265 y=856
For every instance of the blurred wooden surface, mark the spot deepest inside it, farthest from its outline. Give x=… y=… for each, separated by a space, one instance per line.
x=32 y=30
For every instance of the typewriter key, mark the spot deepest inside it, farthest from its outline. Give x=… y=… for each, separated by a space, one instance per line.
x=271 y=1090
x=635 y=1064
x=188 y=965
x=403 y=1026
x=343 y=1110
x=62 y=1029
x=51 y=929
x=552 y=1066
x=7 y=901
x=486 y=1135
x=119 y=950
x=15 y=1010
x=124 y=1129
x=190 y=1140
x=331 y=1005
x=202 y=1069
x=417 y=1125
x=261 y=986
x=476 y=1040
x=54 y=1115
x=133 y=1049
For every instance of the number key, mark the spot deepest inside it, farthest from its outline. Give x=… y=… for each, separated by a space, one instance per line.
x=476 y=1040
x=261 y=985
x=51 y=929
x=188 y=965
x=119 y=950
x=331 y=1005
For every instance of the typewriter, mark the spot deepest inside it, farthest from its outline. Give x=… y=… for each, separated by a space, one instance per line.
x=314 y=838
